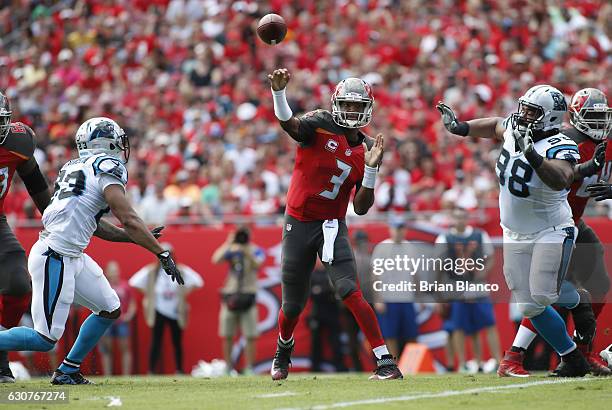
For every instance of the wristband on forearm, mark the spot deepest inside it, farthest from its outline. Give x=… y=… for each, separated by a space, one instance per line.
x=462 y=128
x=281 y=107
x=534 y=159
x=586 y=169
x=369 y=177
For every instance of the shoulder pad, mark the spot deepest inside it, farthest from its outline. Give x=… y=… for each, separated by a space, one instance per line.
x=574 y=134
x=111 y=166
x=21 y=140
x=319 y=119
x=561 y=146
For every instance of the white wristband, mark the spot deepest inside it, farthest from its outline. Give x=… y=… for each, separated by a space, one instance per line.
x=281 y=107
x=369 y=177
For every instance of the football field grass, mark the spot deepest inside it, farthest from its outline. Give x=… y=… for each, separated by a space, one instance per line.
x=310 y=391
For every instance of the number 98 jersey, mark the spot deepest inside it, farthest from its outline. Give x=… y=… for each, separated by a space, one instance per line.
x=526 y=204
x=78 y=202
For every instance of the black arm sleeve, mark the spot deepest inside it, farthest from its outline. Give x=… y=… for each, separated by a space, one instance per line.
x=35 y=181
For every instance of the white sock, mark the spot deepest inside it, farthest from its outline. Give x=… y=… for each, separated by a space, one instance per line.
x=380 y=351
x=523 y=337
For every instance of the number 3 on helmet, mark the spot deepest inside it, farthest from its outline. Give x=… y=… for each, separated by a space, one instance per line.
x=352 y=103
x=102 y=135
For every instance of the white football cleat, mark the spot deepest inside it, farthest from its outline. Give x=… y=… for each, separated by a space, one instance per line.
x=606 y=354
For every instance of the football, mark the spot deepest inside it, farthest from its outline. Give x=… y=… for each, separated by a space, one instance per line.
x=272 y=29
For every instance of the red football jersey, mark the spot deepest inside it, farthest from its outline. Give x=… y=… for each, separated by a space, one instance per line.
x=17 y=149
x=578 y=197
x=326 y=170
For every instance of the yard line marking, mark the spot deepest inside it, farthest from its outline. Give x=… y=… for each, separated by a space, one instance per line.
x=273 y=395
x=447 y=393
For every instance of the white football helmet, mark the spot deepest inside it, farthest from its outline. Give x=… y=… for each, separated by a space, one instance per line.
x=590 y=114
x=101 y=135
x=542 y=107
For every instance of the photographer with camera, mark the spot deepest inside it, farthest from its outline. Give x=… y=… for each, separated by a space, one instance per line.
x=238 y=306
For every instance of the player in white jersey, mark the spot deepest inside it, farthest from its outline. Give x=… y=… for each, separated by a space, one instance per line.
x=535 y=170
x=86 y=188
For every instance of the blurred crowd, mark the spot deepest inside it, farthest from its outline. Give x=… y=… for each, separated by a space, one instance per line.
x=187 y=81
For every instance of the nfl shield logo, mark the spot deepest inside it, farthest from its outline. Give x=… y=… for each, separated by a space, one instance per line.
x=289 y=227
x=348 y=152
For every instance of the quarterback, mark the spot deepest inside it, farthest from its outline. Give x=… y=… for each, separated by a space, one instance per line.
x=333 y=157
x=535 y=170
x=86 y=188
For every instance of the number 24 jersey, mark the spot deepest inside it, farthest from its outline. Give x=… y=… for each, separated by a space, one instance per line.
x=526 y=204
x=78 y=202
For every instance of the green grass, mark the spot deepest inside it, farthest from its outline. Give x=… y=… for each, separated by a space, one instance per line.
x=309 y=390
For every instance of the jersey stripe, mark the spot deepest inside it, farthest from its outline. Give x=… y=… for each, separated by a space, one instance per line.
x=54 y=277
x=552 y=151
x=20 y=155
x=322 y=131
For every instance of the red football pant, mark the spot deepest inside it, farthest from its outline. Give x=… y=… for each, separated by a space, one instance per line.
x=12 y=309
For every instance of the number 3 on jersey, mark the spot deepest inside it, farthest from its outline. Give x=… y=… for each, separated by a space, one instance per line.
x=337 y=180
x=520 y=174
x=69 y=185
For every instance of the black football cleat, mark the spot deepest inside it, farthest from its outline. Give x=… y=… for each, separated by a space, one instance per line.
x=386 y=369
x=282 y=360
x=572 y=365
x=60 y=377
x=6 y=375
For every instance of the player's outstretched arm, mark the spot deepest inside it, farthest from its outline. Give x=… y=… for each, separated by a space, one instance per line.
x=364 y=198
x=278 y=81
x=35 y=183
x=491 y=127
x=592 y=166
x=137 y=230
x=109 y=232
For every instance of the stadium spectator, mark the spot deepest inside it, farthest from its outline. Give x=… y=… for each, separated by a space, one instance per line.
x=471 y=312
x=155 y=207
x=398 y=320
x=186 y=80
x=120 y=329
x=165 y=303
x=238 y=304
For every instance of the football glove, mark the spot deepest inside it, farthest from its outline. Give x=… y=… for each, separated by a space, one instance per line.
x=523 y=140
x=599 y=157
x=169 y=266
x=156 y=232
x=595 y=164
x=450 y=121
x=600 y=191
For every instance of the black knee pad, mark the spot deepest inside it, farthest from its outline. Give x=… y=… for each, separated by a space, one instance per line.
x=292 y=310
x=15 y=279
x=21 y=285
x=344 y=287
x=111 y=315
